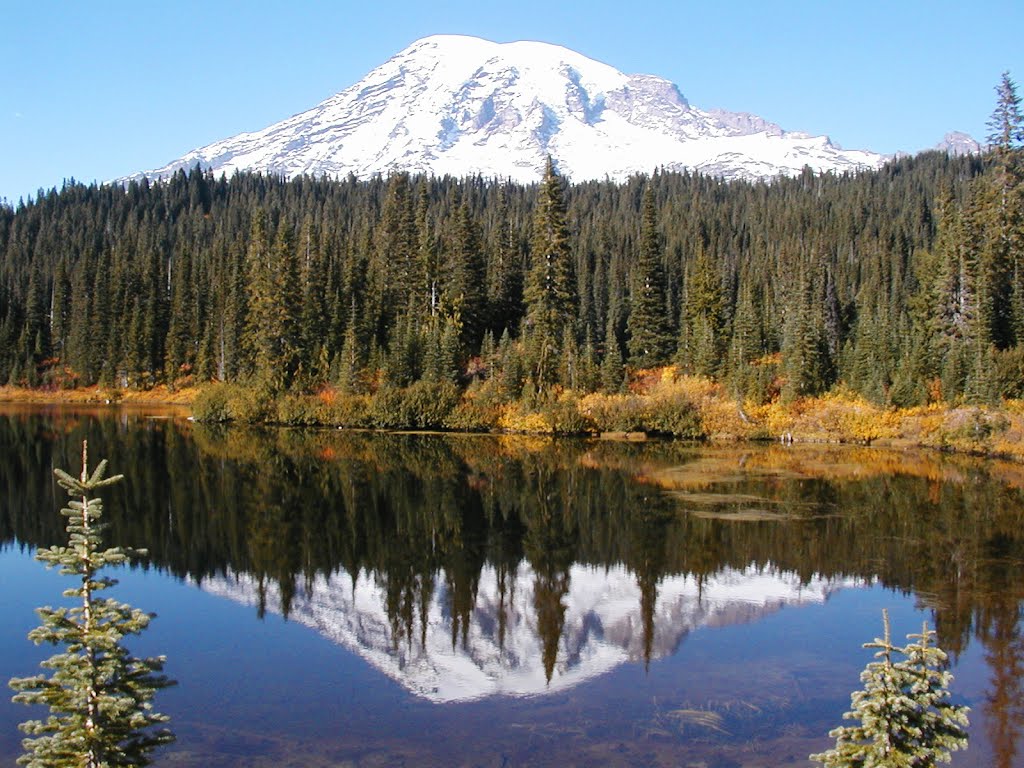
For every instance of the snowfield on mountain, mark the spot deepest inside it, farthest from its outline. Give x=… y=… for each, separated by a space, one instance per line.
x=463 y=106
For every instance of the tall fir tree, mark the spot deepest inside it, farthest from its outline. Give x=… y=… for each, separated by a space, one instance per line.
x=613 y=369
x=273 y=323
x=60 y=308
x=465 y=279
x=804 y=349
x=1002 y=192
x=505 y=274
x=180 y=334
x=313 y=324
x=392 y=265
x=747 y=341
x=650 y=333
x=426 y=296
x=701 y=337
x=550 y=292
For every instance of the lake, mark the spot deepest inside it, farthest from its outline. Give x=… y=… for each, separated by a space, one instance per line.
x=331 y=598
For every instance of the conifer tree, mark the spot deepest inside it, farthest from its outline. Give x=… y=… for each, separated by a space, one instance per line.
x=349 y=360
x=650 y=339
x=588 y=373
x=505 y=277
x=397 y=239
x=313 y=305
x=289 y=301
x=36 y=331
x=60 y=298
x=465 y=279
x=403 y=361
x=702 y=342
x=1006 y=135
x=81 y=346
x=99 y=695
x=427 y=289
x=180 y=334
x=231 y=318
x=613 y=371
x=392 y=266
x=550 y=288
x=804 y=349
x=906 y=718
x=1003 y=215
x=273 y=323
x=747 y=343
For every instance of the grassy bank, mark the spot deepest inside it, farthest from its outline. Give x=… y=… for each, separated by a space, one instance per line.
x=160 y=395
x=657 y=403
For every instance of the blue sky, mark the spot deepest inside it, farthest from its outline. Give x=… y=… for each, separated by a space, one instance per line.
x=101 y=89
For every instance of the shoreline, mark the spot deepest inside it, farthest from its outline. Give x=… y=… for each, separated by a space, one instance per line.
x=159 y=395
x=712 y=416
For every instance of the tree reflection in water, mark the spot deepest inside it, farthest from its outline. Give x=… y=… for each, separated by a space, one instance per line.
x=426 y=515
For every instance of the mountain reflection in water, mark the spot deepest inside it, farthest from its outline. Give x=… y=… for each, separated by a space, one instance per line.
x=468 y=566
x=500 y=651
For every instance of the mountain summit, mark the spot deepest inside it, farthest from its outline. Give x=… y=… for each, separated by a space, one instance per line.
x=458 y=105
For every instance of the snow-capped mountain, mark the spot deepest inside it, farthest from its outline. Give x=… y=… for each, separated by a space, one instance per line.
x=458 y=105
x=959 y=143
x=603 y=625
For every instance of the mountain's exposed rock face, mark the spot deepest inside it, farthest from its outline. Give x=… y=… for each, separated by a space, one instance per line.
x=460 y=105
x=503 y=649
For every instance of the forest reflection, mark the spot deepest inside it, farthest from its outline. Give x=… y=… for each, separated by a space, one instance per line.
x=288 y=507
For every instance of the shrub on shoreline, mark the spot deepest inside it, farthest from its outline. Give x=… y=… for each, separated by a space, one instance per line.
x=660 y=402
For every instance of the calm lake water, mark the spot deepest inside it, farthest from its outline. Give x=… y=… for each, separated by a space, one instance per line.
x=329 y=598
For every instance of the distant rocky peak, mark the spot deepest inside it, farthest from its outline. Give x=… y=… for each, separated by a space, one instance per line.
x=958 y=143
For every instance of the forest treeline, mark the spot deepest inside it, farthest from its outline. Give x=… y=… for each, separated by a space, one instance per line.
x=904 y=284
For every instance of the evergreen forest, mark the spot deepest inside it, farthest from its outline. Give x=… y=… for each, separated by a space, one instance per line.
x=904 y=285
